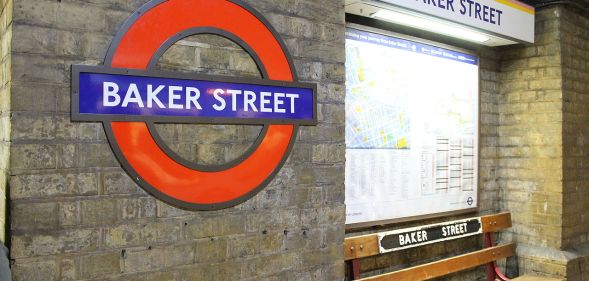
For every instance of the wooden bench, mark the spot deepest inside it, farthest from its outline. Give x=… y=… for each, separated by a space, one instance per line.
x=363 y=246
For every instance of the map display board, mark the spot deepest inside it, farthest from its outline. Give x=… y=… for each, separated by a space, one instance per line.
x=411 y=129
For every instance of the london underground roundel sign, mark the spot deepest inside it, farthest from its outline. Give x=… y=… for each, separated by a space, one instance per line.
x=129 y=96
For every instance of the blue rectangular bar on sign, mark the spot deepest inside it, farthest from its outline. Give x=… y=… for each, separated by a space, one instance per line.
x=407 y=45
x=106 y=94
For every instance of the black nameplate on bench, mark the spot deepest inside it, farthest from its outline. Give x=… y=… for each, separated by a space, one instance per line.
x=417 y=236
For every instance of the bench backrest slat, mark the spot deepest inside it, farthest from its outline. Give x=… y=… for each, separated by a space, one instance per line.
x=360 y=246
x=494 y=223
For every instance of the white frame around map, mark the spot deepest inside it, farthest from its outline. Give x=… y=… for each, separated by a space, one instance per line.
x=428 y=211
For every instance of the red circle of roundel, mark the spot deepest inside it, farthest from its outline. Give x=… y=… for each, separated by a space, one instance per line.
x=136 y=148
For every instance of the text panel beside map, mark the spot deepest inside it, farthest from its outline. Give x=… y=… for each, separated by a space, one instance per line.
x=411 y=128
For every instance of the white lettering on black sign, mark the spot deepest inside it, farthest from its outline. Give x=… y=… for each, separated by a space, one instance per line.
x=417 y=236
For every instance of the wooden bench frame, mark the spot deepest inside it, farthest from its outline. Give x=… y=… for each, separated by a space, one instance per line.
x=368 y=245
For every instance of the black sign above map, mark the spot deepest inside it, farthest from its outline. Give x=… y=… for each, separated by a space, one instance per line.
x=417 y=236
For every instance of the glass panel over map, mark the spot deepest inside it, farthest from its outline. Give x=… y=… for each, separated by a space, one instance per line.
x=411 y=128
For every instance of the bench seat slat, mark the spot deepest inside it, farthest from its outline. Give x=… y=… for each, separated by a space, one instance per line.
x=449 y=265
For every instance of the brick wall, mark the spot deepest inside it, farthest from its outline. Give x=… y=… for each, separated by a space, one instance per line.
x=76 y=215
x=489 y=98
x=5 y=79
x=542 y=150
x=530 y=170
x=530 y=150
x=574 y=42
